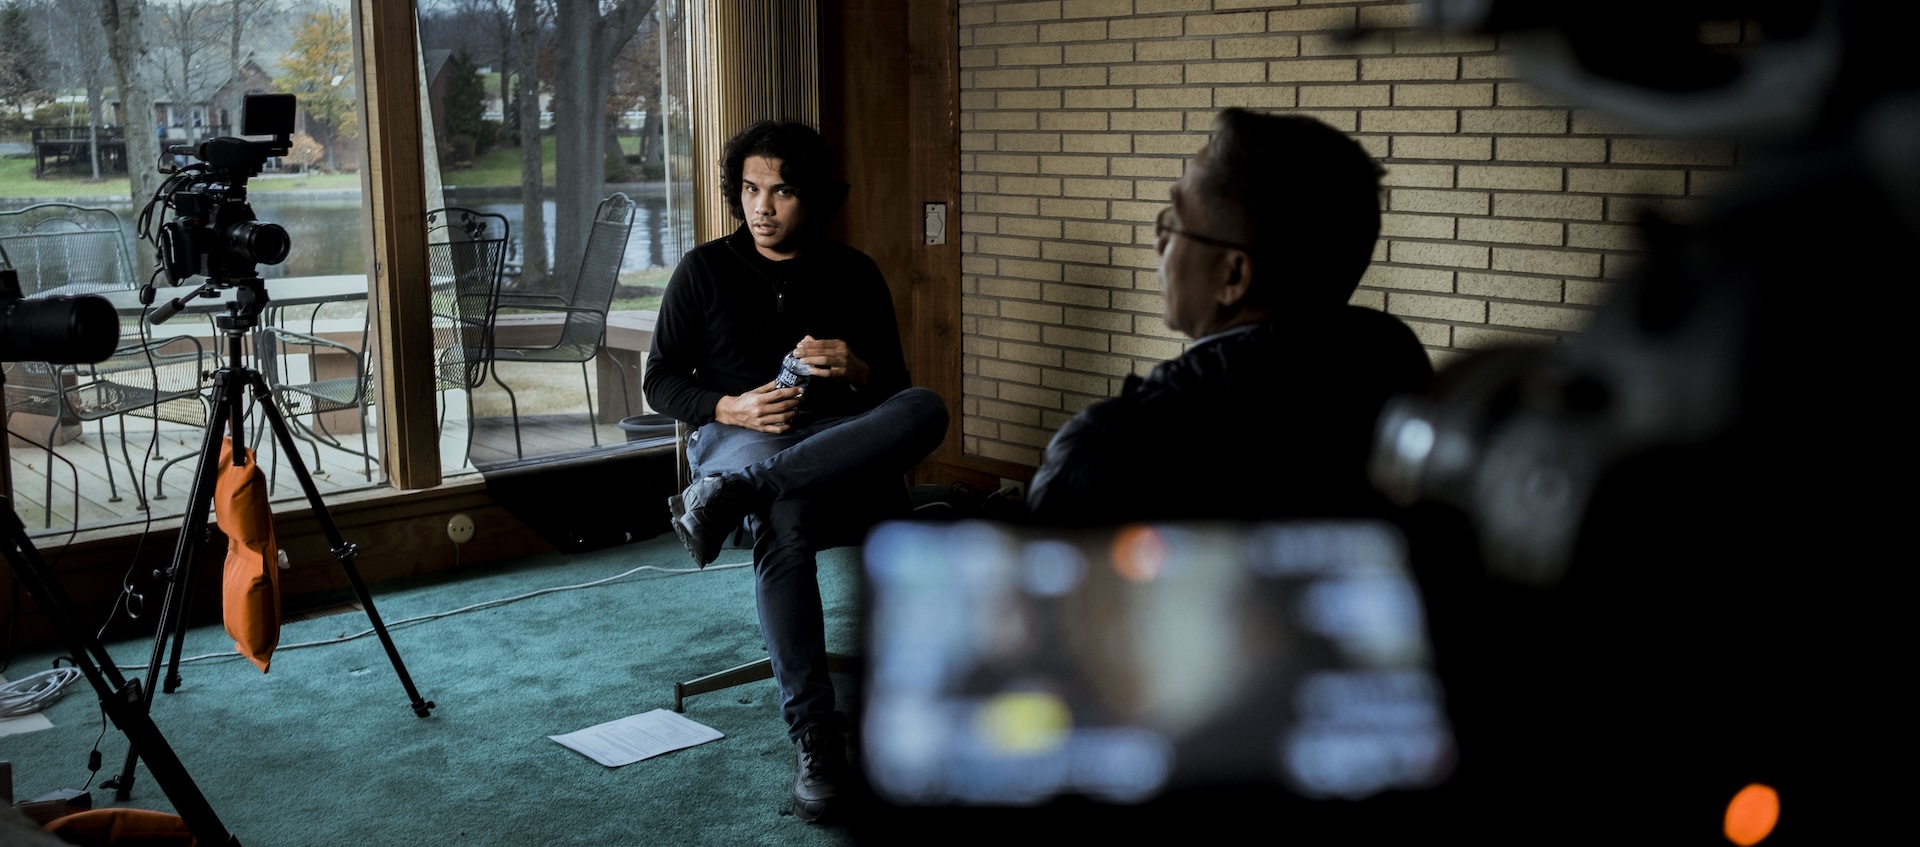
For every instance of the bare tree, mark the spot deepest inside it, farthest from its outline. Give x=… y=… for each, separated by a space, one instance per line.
x=190 y=33
x=81 y=63
x=635 y=86
x=588 y=42
x=122 y=21
x=24 y=80
x=534 y=266
x=243 y=15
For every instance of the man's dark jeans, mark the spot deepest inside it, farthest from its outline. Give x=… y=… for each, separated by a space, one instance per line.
x=824 y=482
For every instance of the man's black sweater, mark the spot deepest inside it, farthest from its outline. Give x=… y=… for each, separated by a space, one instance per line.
x=730 y=315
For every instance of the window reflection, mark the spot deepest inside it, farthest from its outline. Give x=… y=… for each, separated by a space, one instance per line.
x=490 y=72
x=86 y=141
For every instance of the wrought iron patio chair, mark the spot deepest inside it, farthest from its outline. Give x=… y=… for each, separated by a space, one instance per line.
x=517 y=288
x=288 y=359
x=466 y=256
x=69 y=249
x=583 y=329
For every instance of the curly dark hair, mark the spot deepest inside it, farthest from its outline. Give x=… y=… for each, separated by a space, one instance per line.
x=1324 y=230
x=805 y=163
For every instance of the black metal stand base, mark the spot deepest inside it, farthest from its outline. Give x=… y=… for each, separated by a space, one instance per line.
x=120 y=698
x=230 y=385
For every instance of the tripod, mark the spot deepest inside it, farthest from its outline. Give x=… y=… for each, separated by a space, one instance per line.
x=120 y=698
x=229 y=415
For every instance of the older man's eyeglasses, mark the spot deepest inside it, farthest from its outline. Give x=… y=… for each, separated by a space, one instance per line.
x=1165 y=224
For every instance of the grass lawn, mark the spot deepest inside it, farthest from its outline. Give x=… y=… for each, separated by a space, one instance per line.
x=641 y=289
x=500 y=166
x=17 y=180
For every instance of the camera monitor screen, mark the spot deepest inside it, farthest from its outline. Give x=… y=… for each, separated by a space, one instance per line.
x=1017 y=665
x=268 y=114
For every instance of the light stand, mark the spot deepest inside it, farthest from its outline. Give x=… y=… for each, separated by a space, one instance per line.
x=120 y=698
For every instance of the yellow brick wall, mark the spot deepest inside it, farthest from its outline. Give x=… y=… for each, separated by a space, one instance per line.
x=1508 y=214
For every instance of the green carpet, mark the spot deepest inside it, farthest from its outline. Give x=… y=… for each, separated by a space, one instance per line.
x=325 y=749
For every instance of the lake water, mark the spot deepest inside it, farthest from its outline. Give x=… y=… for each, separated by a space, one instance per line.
x=328 y=231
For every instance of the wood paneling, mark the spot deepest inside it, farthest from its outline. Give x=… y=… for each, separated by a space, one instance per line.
x=396 y=534
x=865 y=117
x=890 y=83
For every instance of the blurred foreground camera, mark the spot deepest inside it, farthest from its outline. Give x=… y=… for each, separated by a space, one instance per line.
x=1663 y=554
x=59 y=330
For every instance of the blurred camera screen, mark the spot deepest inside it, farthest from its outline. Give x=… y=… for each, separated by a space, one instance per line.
x=1013 y=665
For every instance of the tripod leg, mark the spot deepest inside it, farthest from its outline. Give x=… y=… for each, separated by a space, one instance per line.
x=341 y=549
x=122 y=702
x=179 y=575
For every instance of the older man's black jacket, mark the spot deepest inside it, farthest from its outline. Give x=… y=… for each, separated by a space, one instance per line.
x=1271 y=421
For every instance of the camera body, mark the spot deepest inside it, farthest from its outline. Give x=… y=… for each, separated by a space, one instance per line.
x=213 y=231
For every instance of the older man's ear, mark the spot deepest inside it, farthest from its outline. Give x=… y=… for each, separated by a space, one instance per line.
x=1239 y=279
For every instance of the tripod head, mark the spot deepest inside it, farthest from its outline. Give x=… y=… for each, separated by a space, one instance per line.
x=249 y=299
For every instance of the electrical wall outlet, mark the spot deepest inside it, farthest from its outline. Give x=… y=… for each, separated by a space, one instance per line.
x=460 y=529
x=935 y=221
x=1015 y=489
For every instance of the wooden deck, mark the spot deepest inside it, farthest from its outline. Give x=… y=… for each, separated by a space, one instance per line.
x=106 y=497
x=89 y=492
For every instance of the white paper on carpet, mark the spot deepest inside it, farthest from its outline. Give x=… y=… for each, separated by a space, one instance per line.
x=636 y=737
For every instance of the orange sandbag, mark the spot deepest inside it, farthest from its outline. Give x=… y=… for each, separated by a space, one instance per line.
x=250 y=589
x=123 y=828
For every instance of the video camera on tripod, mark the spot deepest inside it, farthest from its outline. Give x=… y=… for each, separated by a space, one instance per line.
x=213 y=231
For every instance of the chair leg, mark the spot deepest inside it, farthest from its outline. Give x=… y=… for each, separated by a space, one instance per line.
x=53 y=432
x=753 y=671
x=305 y=432
x=259 y=424
x=106 y=458
x=513 y=408
x=133 y=475
x=444 y=406
x=593 y=421
x=366 y=448
x=160 y=479
x=626 y=399
x=46 y=497
x=440 y=411
x=467 y=457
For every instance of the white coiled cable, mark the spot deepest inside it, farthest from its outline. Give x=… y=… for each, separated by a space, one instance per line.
x=33 y=693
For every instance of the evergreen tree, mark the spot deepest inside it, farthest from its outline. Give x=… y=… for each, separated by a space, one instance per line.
x=23 y=60
x=466 y=103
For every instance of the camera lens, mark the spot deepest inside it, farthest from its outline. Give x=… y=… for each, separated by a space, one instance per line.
x=259 y=242
x=59 y=330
